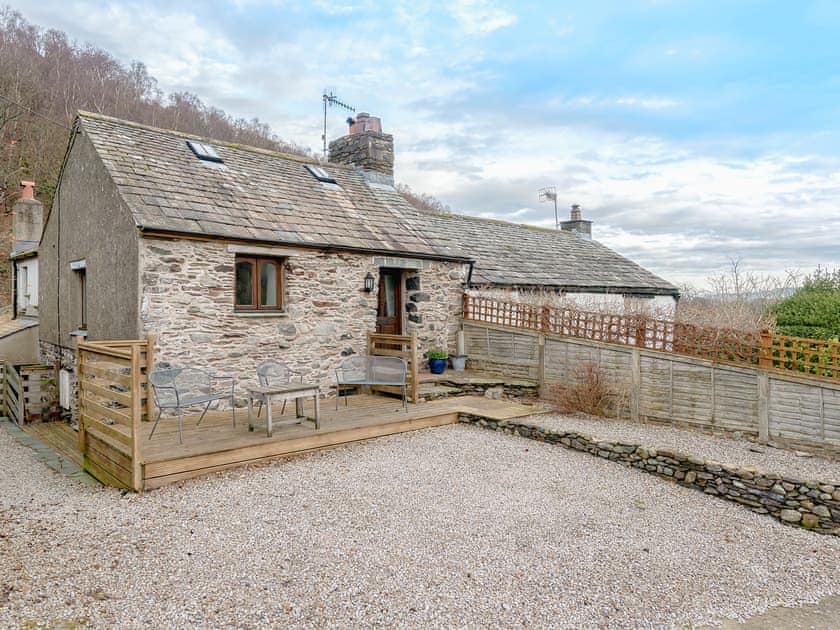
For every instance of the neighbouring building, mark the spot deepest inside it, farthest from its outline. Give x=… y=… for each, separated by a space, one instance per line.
x=233 y=255
x=19 y=326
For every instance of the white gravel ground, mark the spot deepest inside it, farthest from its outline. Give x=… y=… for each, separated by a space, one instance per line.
x=723 y=450
x=455 y=526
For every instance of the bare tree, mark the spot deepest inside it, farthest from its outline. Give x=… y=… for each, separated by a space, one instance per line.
x=737 y=299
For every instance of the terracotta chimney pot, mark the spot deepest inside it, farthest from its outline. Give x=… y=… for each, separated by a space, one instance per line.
x=27 y=190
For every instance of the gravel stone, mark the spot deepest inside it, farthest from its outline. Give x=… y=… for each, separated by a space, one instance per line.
x=448 y=527
x=699 y=445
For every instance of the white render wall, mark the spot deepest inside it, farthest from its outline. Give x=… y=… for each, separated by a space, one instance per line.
x=27 y=287
x=660 y=306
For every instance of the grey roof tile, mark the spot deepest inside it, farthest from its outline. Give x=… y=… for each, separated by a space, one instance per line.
x=260 y=195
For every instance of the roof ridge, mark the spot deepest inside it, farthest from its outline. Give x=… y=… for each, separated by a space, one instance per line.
x=470 y=217
x=189 y=136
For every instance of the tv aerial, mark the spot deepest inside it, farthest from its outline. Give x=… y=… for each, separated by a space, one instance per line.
x=549 y=193
x=330 y=99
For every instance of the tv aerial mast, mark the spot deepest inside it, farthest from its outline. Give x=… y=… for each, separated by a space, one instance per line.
x=549 y=193
x=332 y=100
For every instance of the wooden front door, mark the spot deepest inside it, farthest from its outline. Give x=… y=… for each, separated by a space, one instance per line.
x=389 y=312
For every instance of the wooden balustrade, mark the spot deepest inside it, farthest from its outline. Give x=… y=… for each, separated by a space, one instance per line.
x=114 y=398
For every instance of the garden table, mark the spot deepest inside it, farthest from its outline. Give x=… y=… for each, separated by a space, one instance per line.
x=284 y=392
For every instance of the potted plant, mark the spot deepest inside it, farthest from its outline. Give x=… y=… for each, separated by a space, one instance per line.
x=437 y=360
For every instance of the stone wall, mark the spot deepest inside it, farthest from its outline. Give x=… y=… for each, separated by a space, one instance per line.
x=187 y=301
x=810 y=504
x=368 y=150
x=50 y=353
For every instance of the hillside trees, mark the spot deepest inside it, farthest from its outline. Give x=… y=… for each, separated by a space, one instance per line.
x=45 y=78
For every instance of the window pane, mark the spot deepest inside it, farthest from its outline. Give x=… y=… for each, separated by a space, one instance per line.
x=245 y=283
x=268 y=284
x=390 y=294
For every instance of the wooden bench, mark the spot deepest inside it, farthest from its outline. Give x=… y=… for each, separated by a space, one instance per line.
x=371 y=371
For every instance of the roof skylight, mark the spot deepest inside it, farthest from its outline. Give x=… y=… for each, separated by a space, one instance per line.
x=204 y=151
x=320 y=174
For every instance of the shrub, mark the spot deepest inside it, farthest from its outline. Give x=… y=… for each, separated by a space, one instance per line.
x=589 y=390
x=814 y=310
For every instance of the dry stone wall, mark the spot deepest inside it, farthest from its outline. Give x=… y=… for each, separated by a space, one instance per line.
x=187 y=301
x=808 y=503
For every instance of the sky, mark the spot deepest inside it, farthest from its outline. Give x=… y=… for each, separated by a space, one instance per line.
x=691 y=133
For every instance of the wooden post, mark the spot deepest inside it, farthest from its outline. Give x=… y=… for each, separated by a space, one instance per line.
x=136 y=415
x=80 y=399
x=466 y=312
x=3 y=385
x=150 y=365
x=765 y=351
x=636 y=391
x=545 y=319
x=763 y=407
x=541 y=365
x=415 y=369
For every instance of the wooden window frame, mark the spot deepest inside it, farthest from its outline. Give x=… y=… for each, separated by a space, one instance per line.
x=255 y=284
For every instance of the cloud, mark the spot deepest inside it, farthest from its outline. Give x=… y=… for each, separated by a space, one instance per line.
x=480 y=17
x=685 y=150
x=647 y=103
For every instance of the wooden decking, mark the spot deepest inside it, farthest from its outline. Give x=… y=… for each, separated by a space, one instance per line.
x=216 y=445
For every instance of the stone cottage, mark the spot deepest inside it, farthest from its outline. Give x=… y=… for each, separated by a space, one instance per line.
x=233 y=255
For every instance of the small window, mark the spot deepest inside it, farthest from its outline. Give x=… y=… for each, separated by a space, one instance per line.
x=81 y=274
x=320 y=174
x=259 y=284
x=203 y=151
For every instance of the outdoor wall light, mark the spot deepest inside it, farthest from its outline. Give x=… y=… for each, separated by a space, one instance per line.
x=368 y=282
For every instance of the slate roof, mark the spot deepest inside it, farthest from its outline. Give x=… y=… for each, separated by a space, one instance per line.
x=253 y=195
x=266 y=196
x=509 y=255
x=9 y=326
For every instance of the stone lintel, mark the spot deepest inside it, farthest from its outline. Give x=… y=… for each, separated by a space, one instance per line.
x=400 y=263
x=263 y=251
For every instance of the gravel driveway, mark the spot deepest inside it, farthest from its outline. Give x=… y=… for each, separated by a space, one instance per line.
x=455 y=526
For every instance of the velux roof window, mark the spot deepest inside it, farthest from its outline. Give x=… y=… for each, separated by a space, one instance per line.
x=320 y=174
x=203 y=151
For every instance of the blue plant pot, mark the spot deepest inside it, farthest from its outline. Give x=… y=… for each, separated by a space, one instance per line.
x=437 y=366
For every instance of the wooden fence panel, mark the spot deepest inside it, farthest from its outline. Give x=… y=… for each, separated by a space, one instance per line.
x=14 y=395
x=809 y=357
x=655 y=395
x=40 y=392
x=503 y=351
x=736 y=399
x=831 y=414
x=114 y=397
x=794 y=411
x=672 y=387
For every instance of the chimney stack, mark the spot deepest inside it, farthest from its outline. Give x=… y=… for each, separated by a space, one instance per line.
x=27 y=218
x=576 y=225
x=366 y=148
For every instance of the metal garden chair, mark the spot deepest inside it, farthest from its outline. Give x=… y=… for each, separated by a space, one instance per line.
x=177 y=388
x=273 y=373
